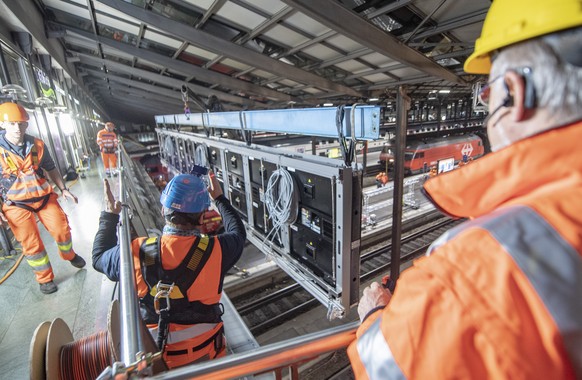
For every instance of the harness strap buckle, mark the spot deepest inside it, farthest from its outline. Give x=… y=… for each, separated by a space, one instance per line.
x=163 y=292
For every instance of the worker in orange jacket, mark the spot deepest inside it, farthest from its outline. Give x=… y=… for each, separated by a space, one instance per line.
x=381 y=179
x=499 y=296
x=433 y=172
x=107 y=141
x=184 y=263
x=25 y=165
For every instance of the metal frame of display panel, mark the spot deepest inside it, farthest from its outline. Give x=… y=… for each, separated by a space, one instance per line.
x=338 y=291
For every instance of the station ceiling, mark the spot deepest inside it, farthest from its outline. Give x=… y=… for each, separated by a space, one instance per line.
x=136 y=57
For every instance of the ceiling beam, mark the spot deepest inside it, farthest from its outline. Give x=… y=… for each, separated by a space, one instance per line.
x=175 y=94
x=176 y=83
x=265 y=26
x=155 y=98
x=351 y=25
x=451 y=25
x=215 y=7
x=387 y=9
x=153 y=92
x=453 y=54
x=188 y=69
x=217 y=45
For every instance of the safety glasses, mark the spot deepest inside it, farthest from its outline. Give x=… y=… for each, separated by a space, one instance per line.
x=485 y=92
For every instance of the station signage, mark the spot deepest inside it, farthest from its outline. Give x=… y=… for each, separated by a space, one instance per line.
x=44 y=84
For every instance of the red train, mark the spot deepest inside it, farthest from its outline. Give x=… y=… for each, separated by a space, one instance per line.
x=420 y=156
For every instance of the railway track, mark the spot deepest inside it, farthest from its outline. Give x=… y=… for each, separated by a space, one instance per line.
x=270 y=307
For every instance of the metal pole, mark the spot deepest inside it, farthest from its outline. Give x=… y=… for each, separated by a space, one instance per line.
x=46 y=123
x=4 y=67
x=402 y=105
x=73 y=151
x=269 y=358
x=131 y=340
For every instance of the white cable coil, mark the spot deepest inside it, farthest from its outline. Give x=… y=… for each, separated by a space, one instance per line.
x=201 y=155
x=281 y=200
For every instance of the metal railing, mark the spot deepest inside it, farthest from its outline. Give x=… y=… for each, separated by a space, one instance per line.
x=131 y=340
x=287 y=354
x=377 y=203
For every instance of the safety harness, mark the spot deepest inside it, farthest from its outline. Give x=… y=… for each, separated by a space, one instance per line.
x=7 y=182
x=167 y=299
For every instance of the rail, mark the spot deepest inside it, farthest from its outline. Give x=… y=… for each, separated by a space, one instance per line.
x=131 y=340
x=274 y=357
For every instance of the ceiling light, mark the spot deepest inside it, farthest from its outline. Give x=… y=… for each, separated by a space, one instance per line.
x=373 y=99
x=444 y=91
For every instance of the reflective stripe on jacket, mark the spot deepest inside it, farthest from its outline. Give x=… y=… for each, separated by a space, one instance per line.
x=107 y=141
x=23 y=179
x=499 y=296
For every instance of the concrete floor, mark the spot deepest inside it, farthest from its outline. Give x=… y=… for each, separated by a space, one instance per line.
x=83 y=296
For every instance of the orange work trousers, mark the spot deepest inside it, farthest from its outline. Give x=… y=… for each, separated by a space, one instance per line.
x=207 y=346
x=22 y=222
x=109 y=161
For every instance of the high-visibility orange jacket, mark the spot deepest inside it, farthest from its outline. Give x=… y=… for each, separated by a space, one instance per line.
x=23 y=179
x=196 y=264
x=499 y=296
x=107 y=141
x=192 y=266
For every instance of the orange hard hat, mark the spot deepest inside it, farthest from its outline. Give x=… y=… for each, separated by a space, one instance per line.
x=12 y=112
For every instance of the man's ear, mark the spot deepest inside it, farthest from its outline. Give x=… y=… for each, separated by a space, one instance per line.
x=516 y=87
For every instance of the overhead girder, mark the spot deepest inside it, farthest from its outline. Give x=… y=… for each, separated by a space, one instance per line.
x=457 y=53
x=445 y=27
x=176 y=83
x=28 y=14
x=137 y=84
x=266 y=25
x=188 y=69
x=142 y=94
x=345 y=22
x=215 y=7
x=156 y=96
x=218 y=45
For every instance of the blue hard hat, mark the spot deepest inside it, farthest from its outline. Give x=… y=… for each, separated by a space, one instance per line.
x=185 y=193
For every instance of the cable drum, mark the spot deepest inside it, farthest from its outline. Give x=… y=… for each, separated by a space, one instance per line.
x=55 y=355
x=281 y=199
x=86 y=358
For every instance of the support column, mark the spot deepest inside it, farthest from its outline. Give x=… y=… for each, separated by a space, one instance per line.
x=4 y=66
x=402 y=106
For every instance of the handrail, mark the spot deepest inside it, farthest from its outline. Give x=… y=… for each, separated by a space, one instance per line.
x=268 y=358
x=131 y=340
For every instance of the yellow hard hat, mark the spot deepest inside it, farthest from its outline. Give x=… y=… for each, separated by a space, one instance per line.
x=512 y=21
x=12 y=112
